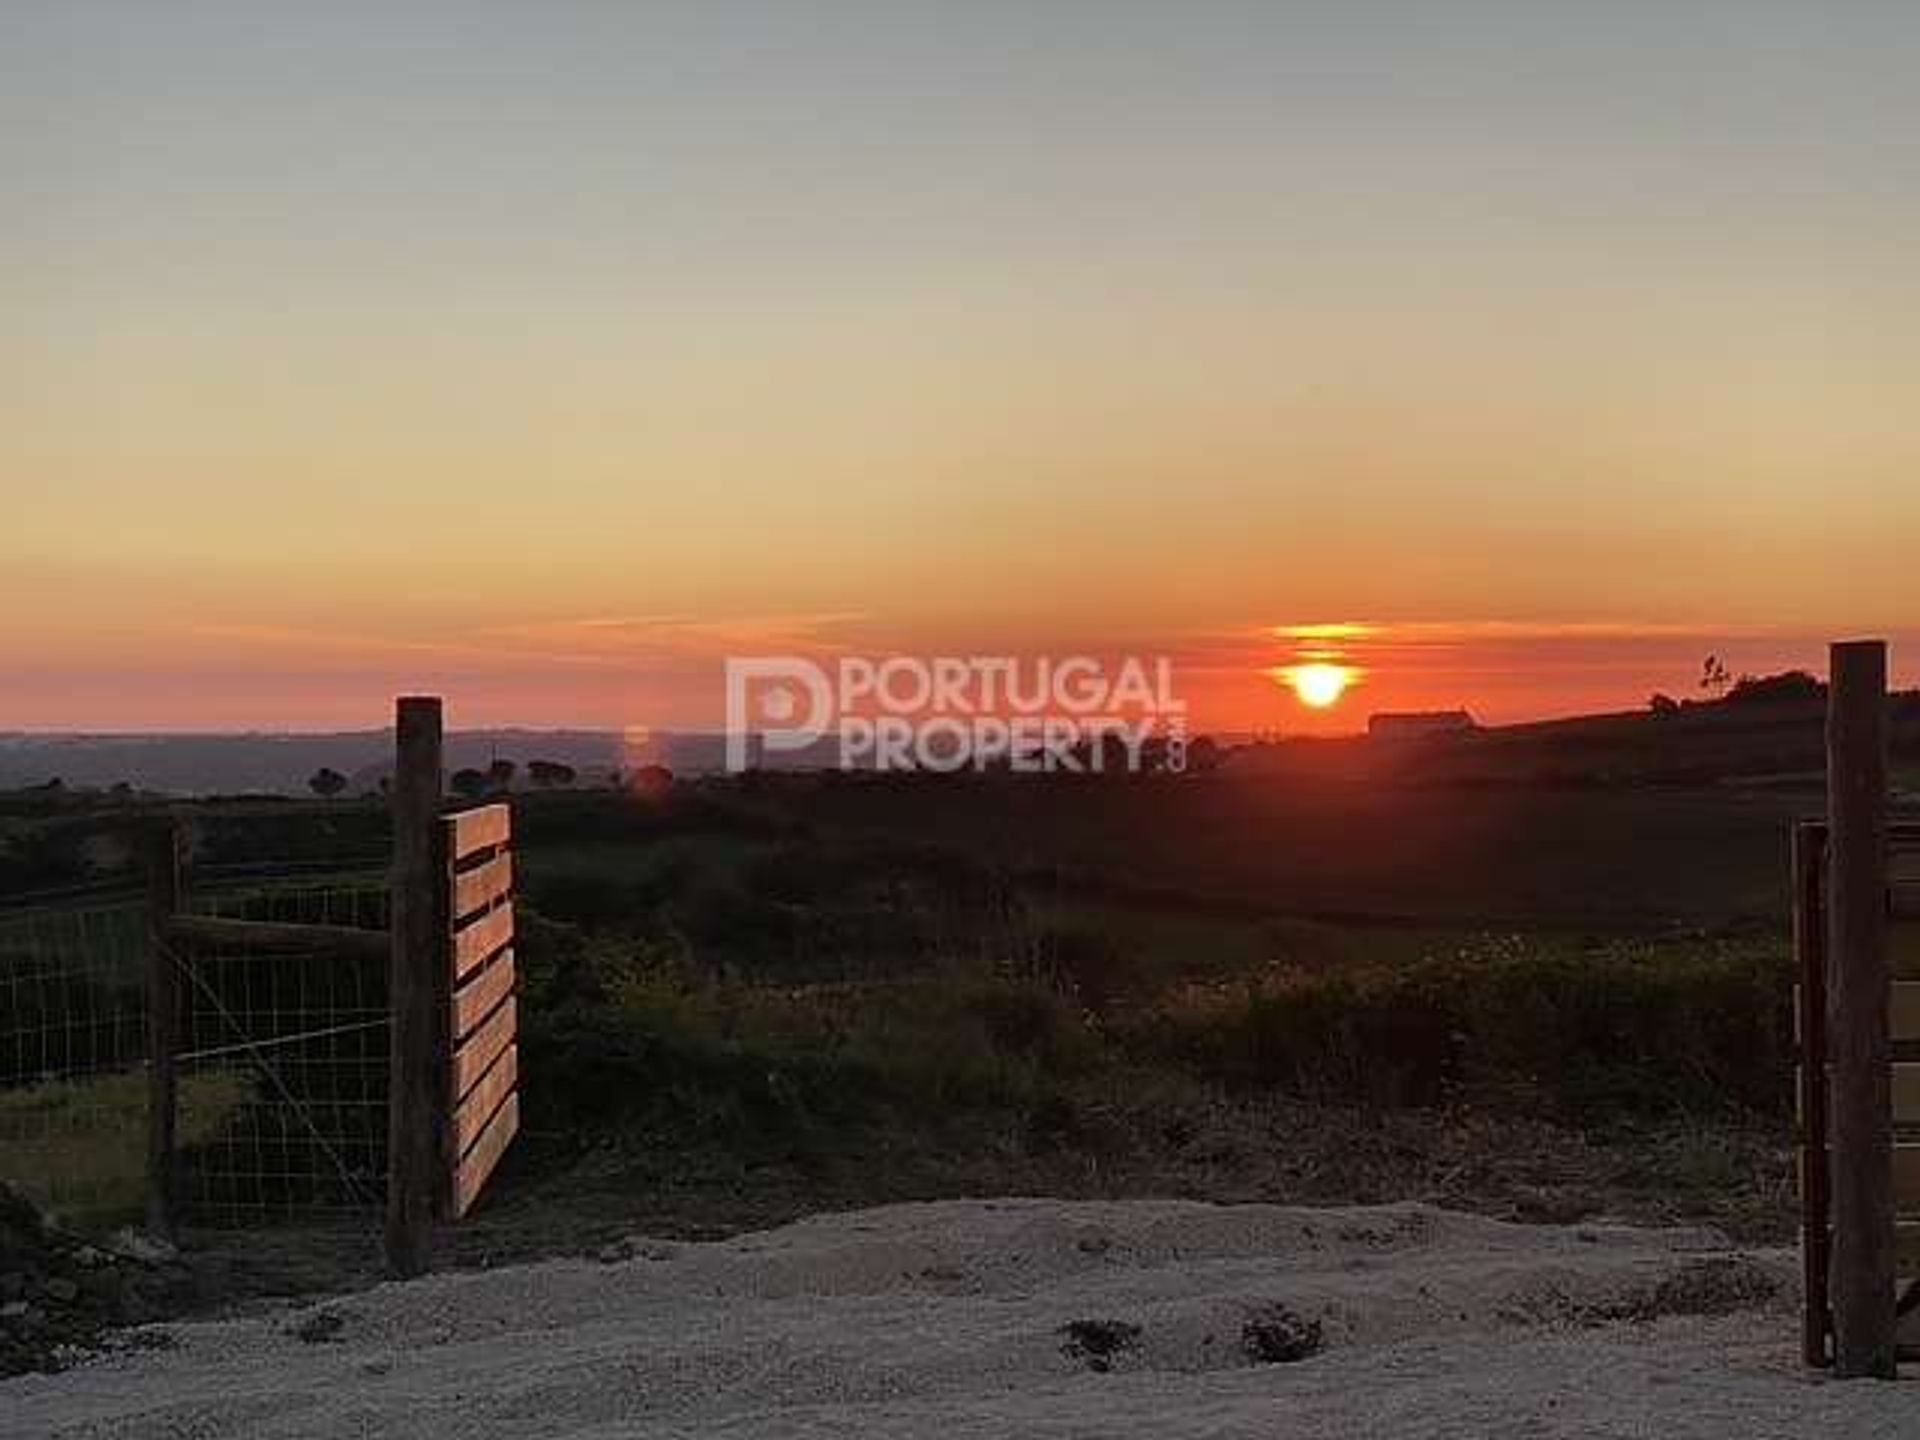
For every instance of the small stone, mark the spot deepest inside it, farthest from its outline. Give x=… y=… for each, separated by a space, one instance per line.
x=61 y=1290
x=1274 y=1335
x=323 y=1327
x=131 y=1244
x=1097 y=1343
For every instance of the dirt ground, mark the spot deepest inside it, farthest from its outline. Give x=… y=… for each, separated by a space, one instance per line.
x=1031 y=1317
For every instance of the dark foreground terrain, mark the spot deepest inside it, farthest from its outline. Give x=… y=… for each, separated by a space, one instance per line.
x=745 y=1001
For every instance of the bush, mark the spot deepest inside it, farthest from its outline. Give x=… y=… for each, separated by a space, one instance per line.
x=1624 y=1030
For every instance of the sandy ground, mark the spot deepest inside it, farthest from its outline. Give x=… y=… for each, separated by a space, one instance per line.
x=947 y=1320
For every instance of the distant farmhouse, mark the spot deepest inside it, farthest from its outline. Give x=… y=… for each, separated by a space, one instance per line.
x=1418 y=724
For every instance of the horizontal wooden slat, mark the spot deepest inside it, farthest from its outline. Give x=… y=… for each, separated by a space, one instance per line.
x=1903 y=1019
x=482 y=828
x=479 y=938
x=474 y=1054
x=1906 y=1095
x=476 y=889
x=1906 y=1249
x=1906 y=1012
x=215 y=933
x=475 y=1000
x=1906 y=1179
x=470 y=1116
x=479 y=1162
x=1905 y=902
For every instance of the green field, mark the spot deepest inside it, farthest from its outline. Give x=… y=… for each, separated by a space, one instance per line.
x=79 y=1147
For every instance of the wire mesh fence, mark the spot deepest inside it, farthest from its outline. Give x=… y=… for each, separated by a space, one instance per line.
x=292 y=1047
x=281 y=1060
x=73 y=1052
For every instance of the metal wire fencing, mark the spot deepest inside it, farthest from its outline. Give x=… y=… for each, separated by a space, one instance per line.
x=293 y=1042
x=73 y=1053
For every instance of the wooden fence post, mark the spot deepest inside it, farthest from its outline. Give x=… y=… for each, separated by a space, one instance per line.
x=1859 y=999
x=414 y=975
x=1810 y=948
x=161 y=844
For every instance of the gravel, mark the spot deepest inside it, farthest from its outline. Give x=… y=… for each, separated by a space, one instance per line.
x=983 y=1318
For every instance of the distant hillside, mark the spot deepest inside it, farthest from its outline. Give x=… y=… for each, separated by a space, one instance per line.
x=1752 y=740
x=275 y=764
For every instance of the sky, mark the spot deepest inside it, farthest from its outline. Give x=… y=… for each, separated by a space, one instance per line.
x=546 y=355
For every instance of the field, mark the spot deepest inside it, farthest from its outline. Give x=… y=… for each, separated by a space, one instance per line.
x=750 y=1000
x=79 y=1147
x=757 y=1000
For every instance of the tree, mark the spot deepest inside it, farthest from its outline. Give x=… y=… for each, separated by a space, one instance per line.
x=549 y=773
x=326 y=782
x=1663 y=705
x=468 y=784
x=500 y=774
x=1714 y=678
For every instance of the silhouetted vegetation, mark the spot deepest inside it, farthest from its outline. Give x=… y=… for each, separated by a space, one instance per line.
x=1787 y=687
x=469 y=784
x=327 y=783
x=550 y=774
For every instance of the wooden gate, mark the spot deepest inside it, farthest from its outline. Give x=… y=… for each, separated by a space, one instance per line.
x=1815 y=1102
x=454 y=1105
x=483 y=1057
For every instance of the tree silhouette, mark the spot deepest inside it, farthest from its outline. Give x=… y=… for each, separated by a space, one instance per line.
x=468 y=784
x=1714 y=677
x=549 y=773
x=326 y=782
x=1787 y=685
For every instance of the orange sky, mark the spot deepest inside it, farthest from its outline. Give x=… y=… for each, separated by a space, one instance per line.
x=545 y=358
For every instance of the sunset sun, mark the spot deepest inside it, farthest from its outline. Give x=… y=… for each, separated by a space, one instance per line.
x=1319 y=684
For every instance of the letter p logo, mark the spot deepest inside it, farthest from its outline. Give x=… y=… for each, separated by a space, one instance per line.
x=774 y=703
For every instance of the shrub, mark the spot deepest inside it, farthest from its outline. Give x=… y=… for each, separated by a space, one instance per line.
x=1628 y=1029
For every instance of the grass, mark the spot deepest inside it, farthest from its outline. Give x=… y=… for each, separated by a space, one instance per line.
x=748 y=1003
x=79 y=1147
x=1519 y=1023
x=981 y=1035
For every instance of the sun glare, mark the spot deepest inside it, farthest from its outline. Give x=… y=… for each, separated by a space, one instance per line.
x=1319 y=684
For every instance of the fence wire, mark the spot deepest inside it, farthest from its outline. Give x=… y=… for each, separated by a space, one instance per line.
x=73 y=1052
x=293 y=1049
